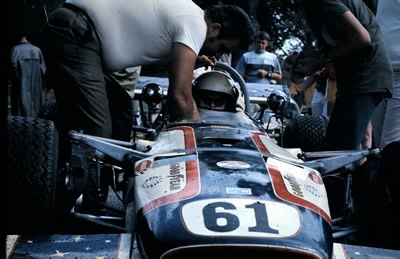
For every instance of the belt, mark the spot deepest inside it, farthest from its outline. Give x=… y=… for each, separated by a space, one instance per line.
x=72 y=7
x=82 y=13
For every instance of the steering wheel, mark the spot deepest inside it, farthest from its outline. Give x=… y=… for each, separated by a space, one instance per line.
x=235 y=76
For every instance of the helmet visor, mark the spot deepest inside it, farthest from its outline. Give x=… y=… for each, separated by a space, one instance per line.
x=212 y=100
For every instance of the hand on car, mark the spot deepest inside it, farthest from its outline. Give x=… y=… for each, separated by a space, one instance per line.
x=211 y=61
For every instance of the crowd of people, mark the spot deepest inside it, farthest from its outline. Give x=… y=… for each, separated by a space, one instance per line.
x=87 y=43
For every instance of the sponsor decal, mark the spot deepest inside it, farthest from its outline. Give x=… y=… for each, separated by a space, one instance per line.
x=152 y=181
x=239 y=191
x=168 y=182
x=316 y=178
x=233 y=164
x=142 y=165
x=293 y=184
x=176 y=178
x=314 y=191
x=240 y=218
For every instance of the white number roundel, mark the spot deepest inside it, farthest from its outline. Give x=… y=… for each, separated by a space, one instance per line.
x=240 y=217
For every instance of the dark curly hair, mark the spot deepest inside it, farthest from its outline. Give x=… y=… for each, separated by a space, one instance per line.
x=262 y=35
x=235 y=23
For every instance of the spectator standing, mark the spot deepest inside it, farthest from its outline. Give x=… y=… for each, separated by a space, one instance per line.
x=27 y=76
x=259 y=65
x=351 y=40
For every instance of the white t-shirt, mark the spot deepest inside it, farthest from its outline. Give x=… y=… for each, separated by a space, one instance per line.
x=141 y=32
x=250 y=62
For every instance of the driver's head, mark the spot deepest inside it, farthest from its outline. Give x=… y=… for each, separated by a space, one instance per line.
x=215 y=90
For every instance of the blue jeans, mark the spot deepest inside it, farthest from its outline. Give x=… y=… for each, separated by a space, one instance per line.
x=386 y=118
x=319 y=104
x=349 y=120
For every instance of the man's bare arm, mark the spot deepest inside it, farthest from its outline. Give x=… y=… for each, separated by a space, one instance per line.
x=180 y=100
x=355 y=37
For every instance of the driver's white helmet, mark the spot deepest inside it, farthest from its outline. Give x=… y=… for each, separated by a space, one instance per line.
x=215 y=90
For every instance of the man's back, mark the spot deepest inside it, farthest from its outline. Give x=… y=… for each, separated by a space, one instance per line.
x=367 y=62
x=135 y=33
x=28 y=83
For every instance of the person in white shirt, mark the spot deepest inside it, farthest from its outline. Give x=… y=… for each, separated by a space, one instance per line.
x=84 y=39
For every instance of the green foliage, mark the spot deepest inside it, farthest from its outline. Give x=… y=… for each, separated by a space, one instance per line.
x=282 y=19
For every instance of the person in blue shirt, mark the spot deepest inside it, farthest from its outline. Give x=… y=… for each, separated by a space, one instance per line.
x=259 y=65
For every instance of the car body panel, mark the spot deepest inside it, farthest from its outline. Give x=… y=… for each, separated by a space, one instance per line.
x=220 y=183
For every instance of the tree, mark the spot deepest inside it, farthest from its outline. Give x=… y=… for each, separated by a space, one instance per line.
x=281 y=19
x=32 y=12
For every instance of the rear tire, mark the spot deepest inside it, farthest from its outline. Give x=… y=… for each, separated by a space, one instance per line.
x=31 y=179
x=306 y=132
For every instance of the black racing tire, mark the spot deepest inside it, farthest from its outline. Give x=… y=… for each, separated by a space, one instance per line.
x=306 y=132
x=31 y=179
